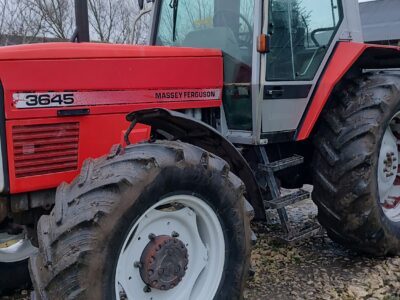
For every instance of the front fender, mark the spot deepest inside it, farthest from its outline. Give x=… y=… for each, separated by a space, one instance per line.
x=189 y=130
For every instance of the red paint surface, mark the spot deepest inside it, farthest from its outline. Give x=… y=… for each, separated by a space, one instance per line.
x=69 y=67
x=346 y=54
x=108 y=75
x=92 y=50
x=96 y=137
x=392 y=204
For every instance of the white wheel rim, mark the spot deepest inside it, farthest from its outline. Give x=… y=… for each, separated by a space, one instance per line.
x=199 y=229
x=15 y=248
x=388 y=171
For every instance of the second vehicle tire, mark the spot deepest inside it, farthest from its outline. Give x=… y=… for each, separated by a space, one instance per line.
x=356 y=165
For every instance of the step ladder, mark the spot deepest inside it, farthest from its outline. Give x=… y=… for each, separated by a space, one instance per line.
x=280 y=202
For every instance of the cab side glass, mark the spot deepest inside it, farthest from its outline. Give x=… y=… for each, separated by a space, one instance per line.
x=301 y=33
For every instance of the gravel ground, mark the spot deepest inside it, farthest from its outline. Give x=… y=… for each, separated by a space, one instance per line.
x=314 y=269
x=317 y=268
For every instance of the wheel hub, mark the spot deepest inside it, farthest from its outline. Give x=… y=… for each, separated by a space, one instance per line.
x=189 y=228
x=164 y=262
x=390 y=163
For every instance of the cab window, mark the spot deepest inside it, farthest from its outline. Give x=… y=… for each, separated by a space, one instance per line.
x=222 y=24
x=301 y=33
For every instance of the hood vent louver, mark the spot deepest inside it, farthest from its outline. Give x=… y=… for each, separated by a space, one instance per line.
x=45 y=149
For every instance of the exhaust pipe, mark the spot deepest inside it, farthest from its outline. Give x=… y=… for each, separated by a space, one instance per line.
x=81 y=33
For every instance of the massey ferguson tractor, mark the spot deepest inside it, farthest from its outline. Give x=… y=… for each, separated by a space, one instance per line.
x=132 y=172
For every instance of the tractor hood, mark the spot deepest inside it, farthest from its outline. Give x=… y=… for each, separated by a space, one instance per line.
x=66 y=102
x=92 y=50
x=107 y=78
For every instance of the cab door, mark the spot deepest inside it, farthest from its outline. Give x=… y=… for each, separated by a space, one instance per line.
x=302 y=37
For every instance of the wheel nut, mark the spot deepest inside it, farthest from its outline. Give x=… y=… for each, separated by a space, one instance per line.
x=175 y=234
x=147 y=289
x=152 y=236
x=137 y=264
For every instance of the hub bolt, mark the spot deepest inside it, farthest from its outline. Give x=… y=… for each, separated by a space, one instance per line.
x=137 y=264
x=147 y=289
x=175 y=234
x=152 y=236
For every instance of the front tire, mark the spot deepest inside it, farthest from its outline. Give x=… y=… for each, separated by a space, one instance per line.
x=151 y=223
x=348 y=162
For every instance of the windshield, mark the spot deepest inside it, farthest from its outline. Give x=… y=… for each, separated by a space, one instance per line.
x=223 y=24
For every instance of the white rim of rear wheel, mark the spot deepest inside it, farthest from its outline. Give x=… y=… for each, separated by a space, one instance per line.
x=197 y=227
x=389 y=172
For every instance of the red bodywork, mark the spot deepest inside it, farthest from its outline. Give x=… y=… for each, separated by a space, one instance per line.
x=344 y=57
x=45 y=149
x=113 y=80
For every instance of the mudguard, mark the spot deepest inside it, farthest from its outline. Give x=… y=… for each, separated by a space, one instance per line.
x=347 y=57
x=186 y=129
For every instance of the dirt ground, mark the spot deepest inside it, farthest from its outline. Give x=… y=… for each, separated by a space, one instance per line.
x=315 y=269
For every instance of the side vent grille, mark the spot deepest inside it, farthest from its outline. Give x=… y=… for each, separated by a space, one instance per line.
x=45 y=149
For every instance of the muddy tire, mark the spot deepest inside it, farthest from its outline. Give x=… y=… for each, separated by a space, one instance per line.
x=101 y=219
x=347 y=163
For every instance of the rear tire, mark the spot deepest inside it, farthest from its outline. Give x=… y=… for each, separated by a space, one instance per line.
x=81 y=242
x=345 y=168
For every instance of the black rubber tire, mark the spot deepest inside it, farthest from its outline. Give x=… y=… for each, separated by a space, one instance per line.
x=81 y=239
x=14 y=276
x=345 y=166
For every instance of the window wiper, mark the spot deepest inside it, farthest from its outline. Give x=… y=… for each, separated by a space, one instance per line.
x=174 y=5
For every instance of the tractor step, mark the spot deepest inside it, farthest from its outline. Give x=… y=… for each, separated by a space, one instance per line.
x=280 y=202
x=285 y=163
x=301 y=235
x=287 y=200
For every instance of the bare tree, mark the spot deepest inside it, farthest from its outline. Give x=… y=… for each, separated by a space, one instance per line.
x=56 y=15
x=142 y=30
x=110 y=20
x=18 y=20
x=113 y=21
x=104 y=17
x=3 y=8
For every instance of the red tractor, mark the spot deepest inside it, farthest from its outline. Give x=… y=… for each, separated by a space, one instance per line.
x=233 y=100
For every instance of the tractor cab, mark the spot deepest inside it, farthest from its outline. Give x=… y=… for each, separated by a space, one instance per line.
x=277 y=79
